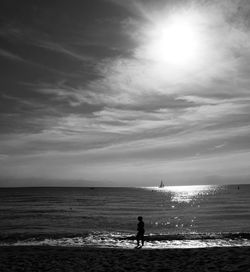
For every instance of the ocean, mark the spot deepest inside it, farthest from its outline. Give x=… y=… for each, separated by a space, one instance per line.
x=174 y=216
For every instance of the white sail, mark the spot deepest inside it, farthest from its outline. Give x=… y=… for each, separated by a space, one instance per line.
x=161 y=184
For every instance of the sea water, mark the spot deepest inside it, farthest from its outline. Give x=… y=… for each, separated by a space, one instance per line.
x=174 y=216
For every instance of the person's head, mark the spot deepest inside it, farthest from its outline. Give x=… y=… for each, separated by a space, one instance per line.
x=139 y=218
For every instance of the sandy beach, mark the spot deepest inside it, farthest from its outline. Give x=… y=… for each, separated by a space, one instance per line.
x=107 y=259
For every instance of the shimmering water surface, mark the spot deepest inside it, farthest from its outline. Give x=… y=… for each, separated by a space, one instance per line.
x=174 y=216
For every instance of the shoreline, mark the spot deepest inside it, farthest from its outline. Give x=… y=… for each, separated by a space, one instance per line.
x=128 y=240
x=47 y=258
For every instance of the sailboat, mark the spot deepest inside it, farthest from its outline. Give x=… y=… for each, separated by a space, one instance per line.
x=161 y=184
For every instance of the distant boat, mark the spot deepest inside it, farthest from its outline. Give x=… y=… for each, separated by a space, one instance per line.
x=161 y=184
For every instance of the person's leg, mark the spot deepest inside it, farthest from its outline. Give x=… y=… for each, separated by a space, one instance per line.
x=138 y=239
x=142 y=241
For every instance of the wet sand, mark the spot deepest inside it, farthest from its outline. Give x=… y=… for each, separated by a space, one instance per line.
x=106 y=259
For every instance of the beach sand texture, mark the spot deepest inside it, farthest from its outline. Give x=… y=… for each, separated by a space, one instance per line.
x=107 y=259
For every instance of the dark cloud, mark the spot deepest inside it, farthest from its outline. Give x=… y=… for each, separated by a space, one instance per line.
x=35 y=112
x=52 y=42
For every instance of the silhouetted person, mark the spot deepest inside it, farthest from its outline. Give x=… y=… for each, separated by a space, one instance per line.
x=140 y=232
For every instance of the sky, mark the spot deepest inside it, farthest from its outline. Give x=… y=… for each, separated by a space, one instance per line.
x=124 y=93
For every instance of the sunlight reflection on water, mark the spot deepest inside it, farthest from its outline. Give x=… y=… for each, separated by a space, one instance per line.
x=187 y=193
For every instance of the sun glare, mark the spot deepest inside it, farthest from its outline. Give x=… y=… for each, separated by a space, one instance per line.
x=175 y=42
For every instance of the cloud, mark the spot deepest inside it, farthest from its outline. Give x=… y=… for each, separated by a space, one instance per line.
x=62 y=49
x=105 y=108
x=9 y=55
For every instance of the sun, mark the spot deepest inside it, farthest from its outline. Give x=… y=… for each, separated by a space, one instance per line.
x=175 y=42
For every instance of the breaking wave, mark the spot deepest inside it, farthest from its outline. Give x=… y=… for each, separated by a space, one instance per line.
x=126 y=240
